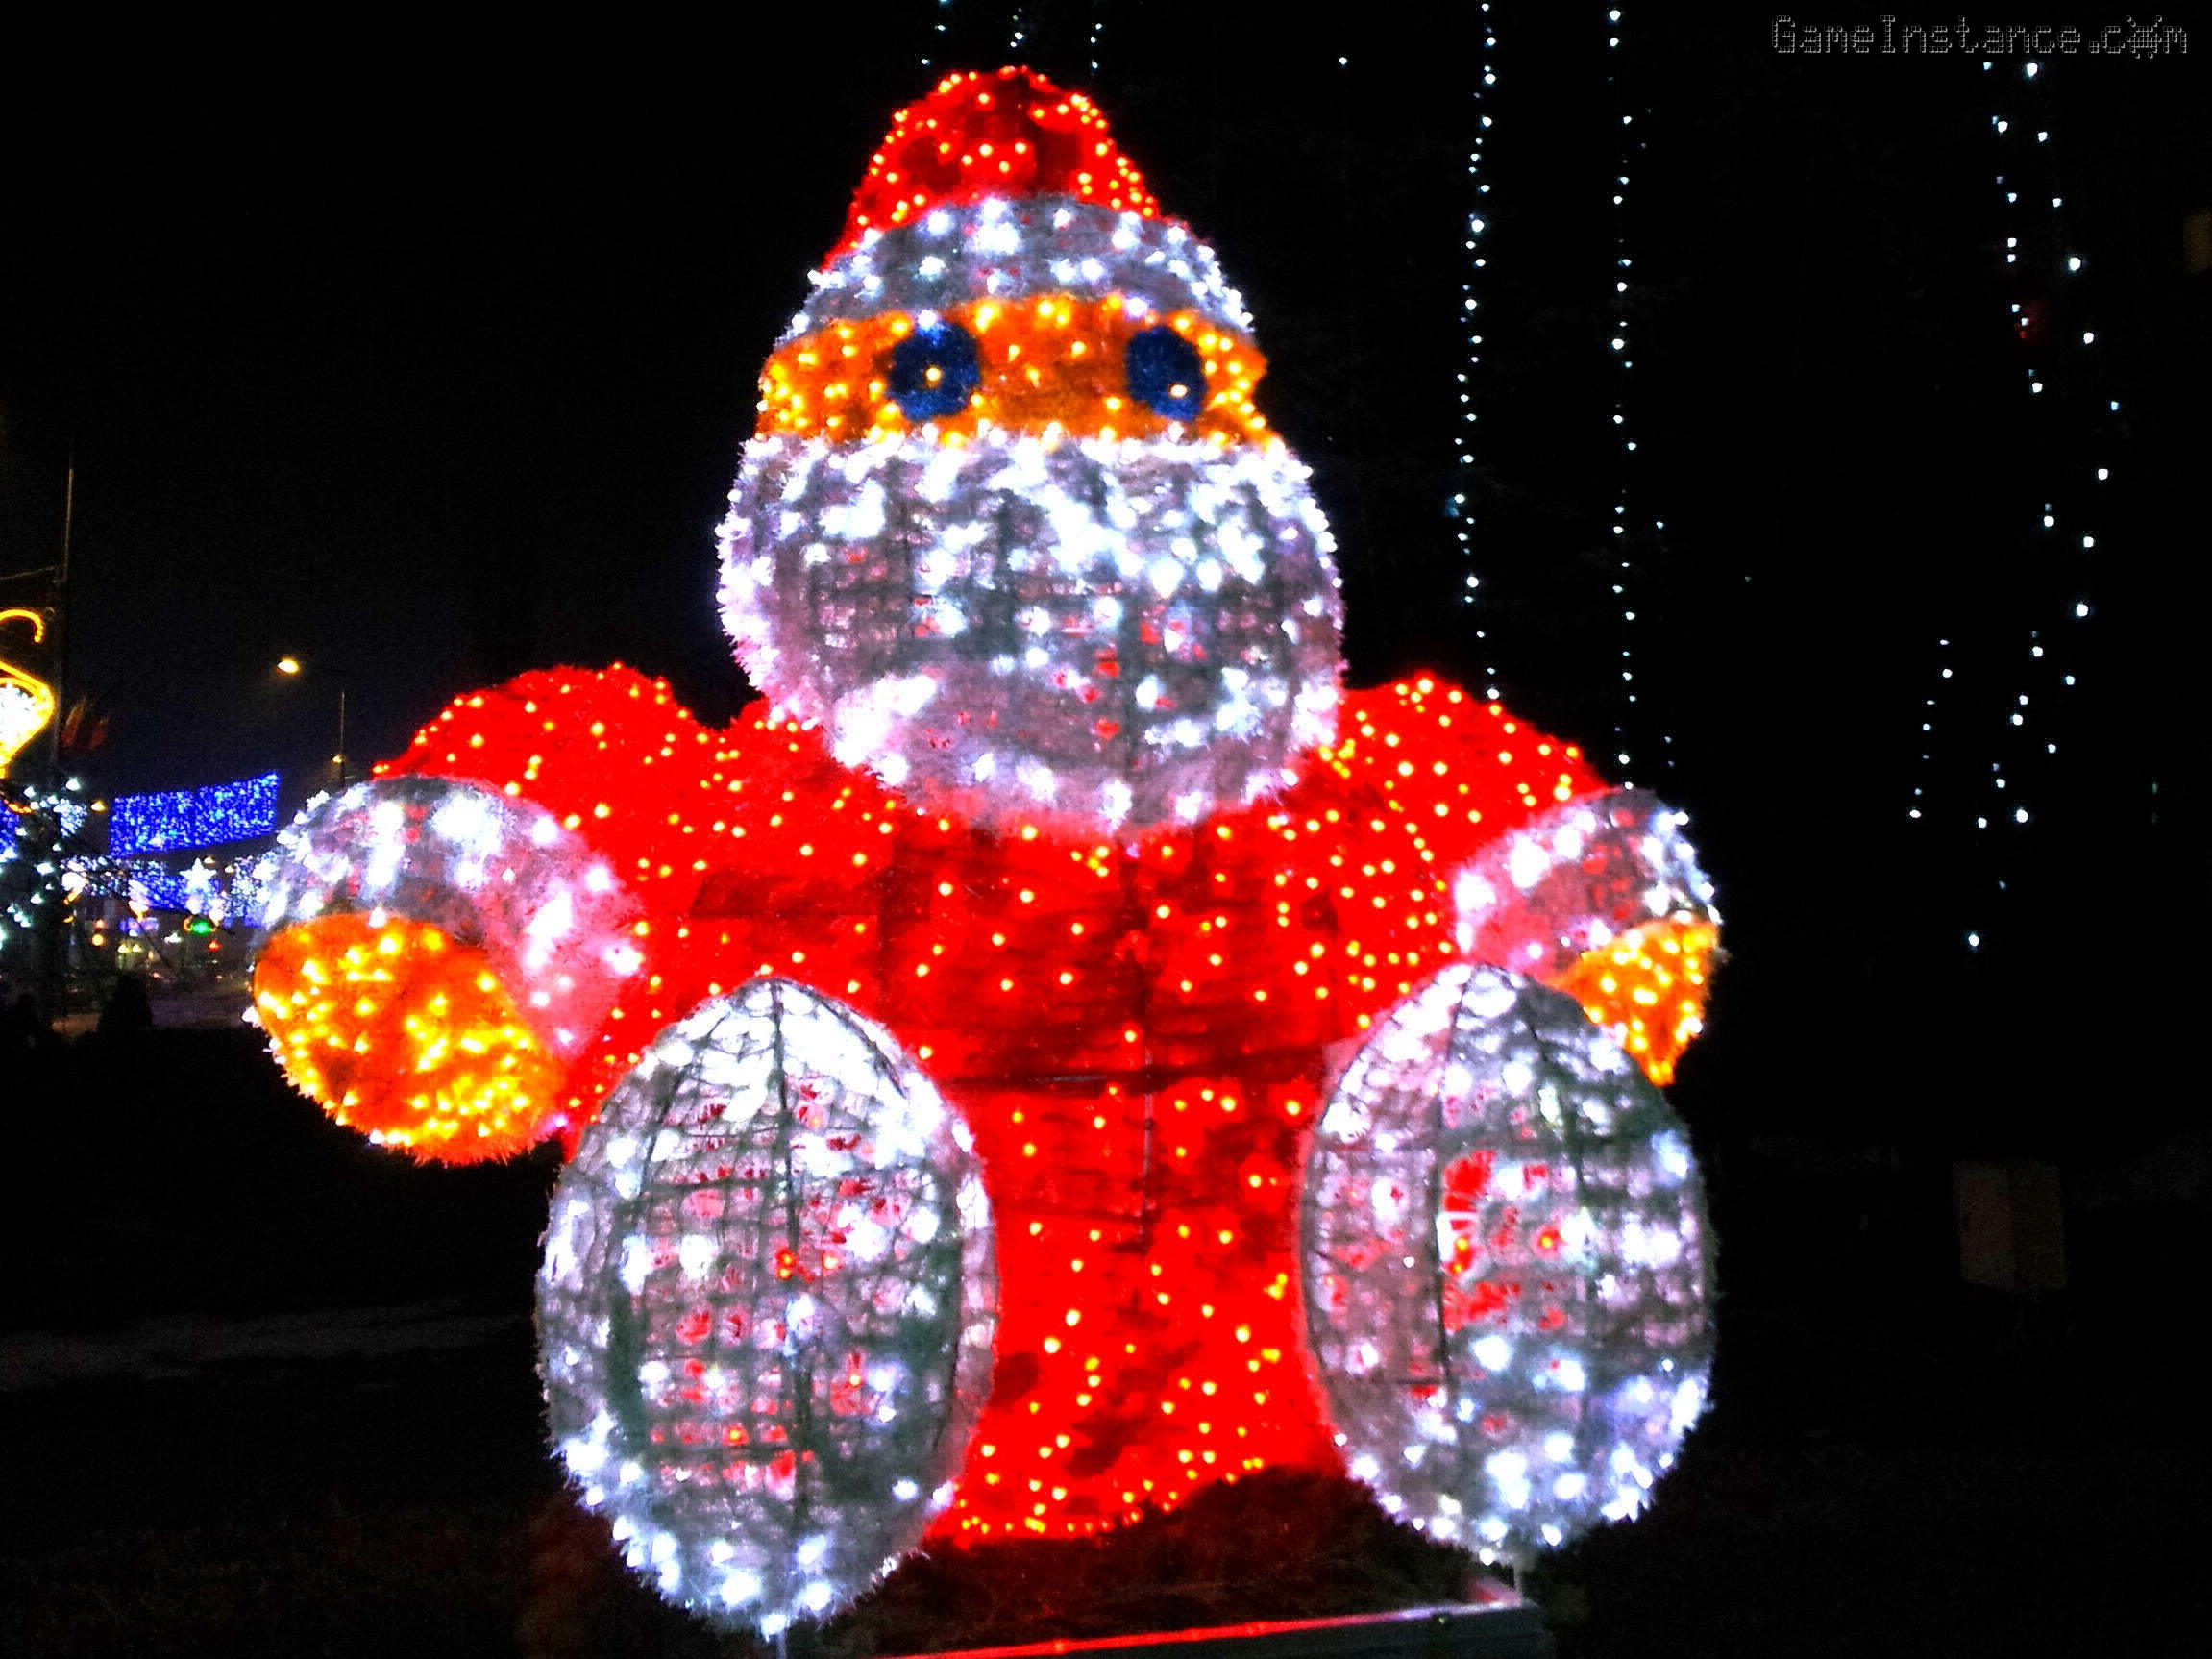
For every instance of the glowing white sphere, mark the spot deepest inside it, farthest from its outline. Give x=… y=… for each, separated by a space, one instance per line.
x=767 y=1305
x=1507 y=1267
x=502 y=874
x=1091 y=632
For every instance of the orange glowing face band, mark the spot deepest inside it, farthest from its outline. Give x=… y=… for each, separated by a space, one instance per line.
x=1052 y=363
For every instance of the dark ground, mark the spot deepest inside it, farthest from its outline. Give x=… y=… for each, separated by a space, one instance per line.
x=270 y=1392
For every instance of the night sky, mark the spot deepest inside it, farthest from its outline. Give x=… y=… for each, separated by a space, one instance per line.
x=426 y=360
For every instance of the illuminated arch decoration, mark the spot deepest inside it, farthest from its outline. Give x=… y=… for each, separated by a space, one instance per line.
x=1055 y=791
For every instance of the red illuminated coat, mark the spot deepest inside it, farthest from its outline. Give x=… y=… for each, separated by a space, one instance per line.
x=1138 y=1031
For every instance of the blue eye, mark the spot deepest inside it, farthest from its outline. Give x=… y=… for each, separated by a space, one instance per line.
x=934 y=371
x=1165 y=374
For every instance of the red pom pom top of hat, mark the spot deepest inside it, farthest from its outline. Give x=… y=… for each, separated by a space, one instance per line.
x=1009 y=134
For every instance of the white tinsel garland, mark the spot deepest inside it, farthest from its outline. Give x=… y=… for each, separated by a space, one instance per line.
x=1002 y=249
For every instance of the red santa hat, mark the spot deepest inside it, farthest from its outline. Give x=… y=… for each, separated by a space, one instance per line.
x=1001 y=185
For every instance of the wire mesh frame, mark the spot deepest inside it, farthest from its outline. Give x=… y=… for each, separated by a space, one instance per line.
x=1478 y=1412
x=767 y=1307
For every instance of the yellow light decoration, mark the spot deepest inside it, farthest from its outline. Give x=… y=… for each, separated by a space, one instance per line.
x=1647 y=986
x=402 y=1032
x=1048 y=362
x=27 y=703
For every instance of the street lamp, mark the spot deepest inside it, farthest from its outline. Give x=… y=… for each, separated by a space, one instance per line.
x=291 y=667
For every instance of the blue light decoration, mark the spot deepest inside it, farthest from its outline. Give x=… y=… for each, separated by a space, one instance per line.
x=178 y=818
x=159 y=889
x=229 y=895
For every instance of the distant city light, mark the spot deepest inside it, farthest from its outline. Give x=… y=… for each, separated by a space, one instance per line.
x=184 y=818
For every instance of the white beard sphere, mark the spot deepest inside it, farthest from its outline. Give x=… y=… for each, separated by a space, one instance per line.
x=1095 y=633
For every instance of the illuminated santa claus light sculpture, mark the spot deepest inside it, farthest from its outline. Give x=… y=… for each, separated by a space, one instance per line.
x=945 y=1047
